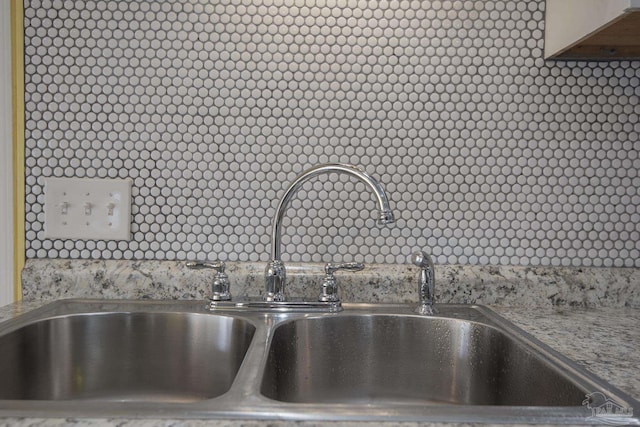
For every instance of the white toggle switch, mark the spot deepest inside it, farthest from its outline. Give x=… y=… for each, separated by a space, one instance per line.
x=89 y=209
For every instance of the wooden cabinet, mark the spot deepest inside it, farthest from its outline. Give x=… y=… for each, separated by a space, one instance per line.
x=592 y=29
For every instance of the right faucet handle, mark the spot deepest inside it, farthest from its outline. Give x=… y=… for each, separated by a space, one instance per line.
x=329 y=291
x=426 y=284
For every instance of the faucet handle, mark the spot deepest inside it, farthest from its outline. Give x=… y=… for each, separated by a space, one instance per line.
x=220 y=287
x=330 y=268
x=329 y=290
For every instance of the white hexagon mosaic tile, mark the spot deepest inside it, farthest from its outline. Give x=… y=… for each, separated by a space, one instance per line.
x=489 y=154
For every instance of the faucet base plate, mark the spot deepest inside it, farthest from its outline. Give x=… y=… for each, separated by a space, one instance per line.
x=250 y=304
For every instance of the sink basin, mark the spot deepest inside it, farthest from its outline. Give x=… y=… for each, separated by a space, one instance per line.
x=370 y=362
x=130 y=356
x=365 y=359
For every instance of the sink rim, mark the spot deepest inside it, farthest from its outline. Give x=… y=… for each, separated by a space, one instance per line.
x=245 y=401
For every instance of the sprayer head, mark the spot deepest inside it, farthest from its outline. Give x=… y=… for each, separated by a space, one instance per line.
x=421 y=259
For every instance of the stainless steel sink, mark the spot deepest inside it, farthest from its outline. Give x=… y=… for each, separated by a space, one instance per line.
x=385 y=359
x=84 y=358
x=118 y=355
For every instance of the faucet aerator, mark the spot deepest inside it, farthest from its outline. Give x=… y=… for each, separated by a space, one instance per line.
x=386 y=217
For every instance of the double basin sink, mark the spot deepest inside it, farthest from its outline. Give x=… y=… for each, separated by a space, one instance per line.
x=175 y=359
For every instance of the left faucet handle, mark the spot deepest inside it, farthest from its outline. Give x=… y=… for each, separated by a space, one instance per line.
x=221 y=286
x=329 y=291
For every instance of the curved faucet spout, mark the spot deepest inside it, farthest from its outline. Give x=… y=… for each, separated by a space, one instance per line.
x=386 y=216
x=275 y=274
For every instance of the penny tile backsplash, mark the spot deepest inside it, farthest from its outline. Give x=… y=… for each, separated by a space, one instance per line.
x=489 y=154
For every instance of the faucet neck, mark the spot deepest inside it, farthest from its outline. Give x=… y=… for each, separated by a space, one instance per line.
x=386 y=216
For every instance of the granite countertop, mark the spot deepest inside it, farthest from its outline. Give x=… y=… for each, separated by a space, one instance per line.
x=591 y=316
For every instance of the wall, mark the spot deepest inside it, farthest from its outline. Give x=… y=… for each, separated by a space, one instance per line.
x=6 y=157
x=489 y=154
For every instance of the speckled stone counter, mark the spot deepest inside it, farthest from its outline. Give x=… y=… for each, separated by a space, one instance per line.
x=48 y=280
x=590 y=315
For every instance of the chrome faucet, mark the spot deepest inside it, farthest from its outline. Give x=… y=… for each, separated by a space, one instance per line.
x=275 y=276
x=426 y=283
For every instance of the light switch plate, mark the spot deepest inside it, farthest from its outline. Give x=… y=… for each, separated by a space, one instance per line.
x=87 y=209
